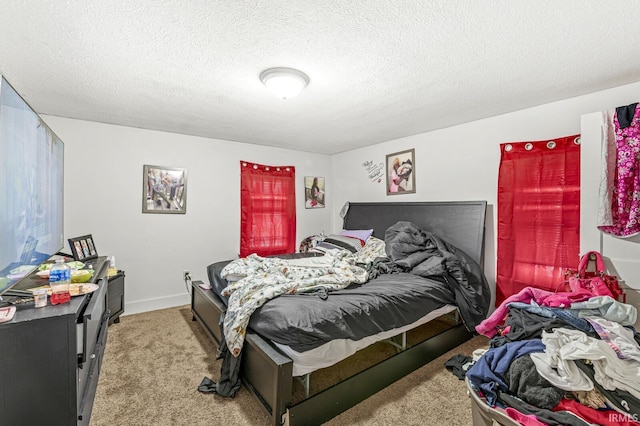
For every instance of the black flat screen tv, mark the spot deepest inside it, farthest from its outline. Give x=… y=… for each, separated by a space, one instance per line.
x=31 y=189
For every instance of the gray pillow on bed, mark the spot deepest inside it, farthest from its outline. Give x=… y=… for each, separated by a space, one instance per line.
x=339 y=242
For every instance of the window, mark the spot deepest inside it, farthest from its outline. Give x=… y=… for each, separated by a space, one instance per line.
x=538 y=214
x=267 y=209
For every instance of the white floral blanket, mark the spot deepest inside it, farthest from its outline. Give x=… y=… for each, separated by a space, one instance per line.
x=255 y=280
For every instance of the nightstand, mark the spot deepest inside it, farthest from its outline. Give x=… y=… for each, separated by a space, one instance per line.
x=115 y=302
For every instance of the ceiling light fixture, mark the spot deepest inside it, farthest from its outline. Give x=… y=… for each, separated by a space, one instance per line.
x=285 y=83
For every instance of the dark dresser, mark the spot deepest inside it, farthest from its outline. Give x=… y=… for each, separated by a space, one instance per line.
x=50 y=357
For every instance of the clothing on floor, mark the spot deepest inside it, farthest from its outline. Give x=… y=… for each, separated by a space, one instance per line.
x=459 y=365
x=564 y=346
x=523 y=419
x=599 y=417
x=547 y=416
x=605 y=387
x=619 y=338
x=527 y=384
x=489 y=327
x=606 y=307
x=617 y=399
x=523 y=325
x=592 y=398
x=488 y=373
x=229 y=381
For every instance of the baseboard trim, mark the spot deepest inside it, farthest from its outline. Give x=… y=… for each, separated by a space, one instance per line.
x=147 y=305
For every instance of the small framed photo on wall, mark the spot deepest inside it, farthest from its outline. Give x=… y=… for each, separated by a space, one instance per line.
x=83 y=248
x=164 y=190
x=313 y=192
x=401 y=176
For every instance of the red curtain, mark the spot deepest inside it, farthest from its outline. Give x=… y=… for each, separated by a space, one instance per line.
x=267 y=209
x=538 y=214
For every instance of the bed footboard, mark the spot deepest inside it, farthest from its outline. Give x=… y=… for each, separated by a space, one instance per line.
x=265 y=372
x=329 y=403
x=268 y=375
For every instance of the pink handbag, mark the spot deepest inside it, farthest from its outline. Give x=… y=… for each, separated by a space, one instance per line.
x=597 y=282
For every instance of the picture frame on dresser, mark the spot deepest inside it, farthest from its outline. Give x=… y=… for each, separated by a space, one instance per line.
x=83 y=248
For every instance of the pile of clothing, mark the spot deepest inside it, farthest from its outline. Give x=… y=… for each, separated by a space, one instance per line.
x=560 y=359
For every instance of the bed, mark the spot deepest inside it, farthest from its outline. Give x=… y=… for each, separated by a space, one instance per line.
x=276 y=371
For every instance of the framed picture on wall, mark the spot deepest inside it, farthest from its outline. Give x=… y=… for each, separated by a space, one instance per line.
x=401 y=176
x=83 y=248
x=164 y=190
x=314 y=192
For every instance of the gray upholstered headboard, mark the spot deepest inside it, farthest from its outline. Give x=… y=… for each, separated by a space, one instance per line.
x=462 y=223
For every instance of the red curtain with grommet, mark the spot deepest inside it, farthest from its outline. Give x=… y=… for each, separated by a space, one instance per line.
x=538 y=214
x=267 y=209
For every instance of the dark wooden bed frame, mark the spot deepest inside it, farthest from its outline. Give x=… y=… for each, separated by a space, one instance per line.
x=267 y=373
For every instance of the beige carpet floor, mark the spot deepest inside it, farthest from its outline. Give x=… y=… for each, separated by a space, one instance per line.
x=154 y=362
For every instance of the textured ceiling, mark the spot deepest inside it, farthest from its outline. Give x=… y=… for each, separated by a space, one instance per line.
x=379 y=70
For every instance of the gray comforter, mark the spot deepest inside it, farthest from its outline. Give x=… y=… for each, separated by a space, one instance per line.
x=422 y=273
x=415 y=251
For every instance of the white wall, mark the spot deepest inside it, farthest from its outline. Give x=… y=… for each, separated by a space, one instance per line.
x=461 y=162
x=103 y=197
x=103 y=189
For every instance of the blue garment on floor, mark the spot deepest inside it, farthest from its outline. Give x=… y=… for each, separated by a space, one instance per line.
x=488 y=373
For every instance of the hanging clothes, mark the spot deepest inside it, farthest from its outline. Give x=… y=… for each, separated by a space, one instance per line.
x=608 y=167
x=625 y=191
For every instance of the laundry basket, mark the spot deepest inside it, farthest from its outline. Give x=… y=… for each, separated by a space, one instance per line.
x=483 y=415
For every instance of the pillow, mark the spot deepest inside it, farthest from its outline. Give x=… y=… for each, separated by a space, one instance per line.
x=338 y=242
x=361 y=234
x=349 y=243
